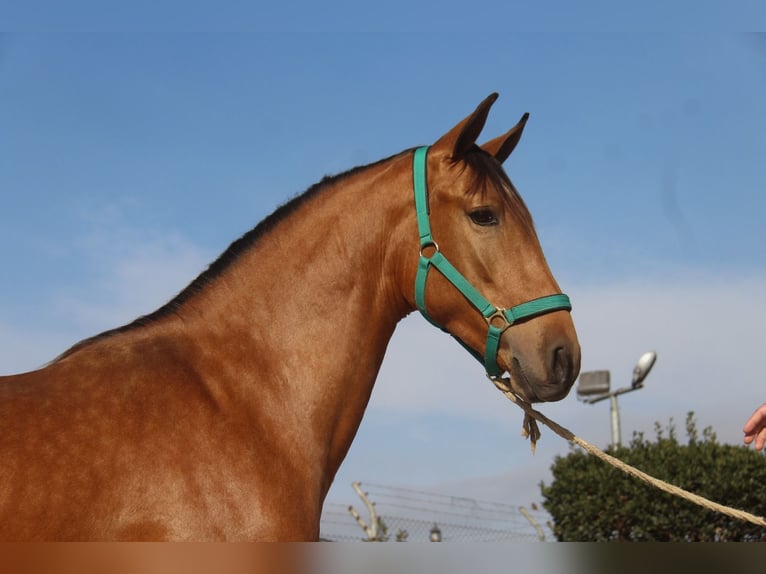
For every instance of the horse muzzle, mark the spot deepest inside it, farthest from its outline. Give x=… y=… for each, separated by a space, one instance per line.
x=548 y=379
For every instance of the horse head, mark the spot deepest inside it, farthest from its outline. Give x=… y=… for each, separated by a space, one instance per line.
x=482 y=275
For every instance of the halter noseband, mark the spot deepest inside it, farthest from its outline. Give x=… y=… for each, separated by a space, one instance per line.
x=498 y=320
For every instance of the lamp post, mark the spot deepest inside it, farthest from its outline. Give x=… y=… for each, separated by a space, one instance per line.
x=593 y=387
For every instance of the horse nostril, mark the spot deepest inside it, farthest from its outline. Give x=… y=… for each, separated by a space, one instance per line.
x=562 y=365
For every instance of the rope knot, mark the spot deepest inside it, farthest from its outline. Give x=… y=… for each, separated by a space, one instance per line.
x=529 y=428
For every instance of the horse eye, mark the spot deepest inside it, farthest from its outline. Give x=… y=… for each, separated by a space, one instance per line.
x=483 y=217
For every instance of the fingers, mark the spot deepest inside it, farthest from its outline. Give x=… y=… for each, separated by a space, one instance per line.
x=755 y=428
x=760 y=439
x=756 y=420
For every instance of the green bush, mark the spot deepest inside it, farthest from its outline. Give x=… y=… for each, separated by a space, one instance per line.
x=589 y=500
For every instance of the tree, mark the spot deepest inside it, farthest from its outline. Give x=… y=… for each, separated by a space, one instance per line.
x=590 y=500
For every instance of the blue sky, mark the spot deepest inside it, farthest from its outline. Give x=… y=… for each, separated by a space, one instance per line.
x=129 y=160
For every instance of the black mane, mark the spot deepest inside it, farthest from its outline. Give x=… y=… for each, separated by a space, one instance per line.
x=230 y=255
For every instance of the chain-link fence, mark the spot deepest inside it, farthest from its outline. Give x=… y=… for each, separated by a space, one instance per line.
x=407 y=515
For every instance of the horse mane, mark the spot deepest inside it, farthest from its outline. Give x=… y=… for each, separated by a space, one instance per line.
x=232 y=253
x=486 y=168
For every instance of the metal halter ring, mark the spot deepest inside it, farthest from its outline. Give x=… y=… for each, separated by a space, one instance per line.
x=498 y=320
x=429 y=244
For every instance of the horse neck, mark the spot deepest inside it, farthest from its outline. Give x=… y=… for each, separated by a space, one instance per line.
x=302 y=320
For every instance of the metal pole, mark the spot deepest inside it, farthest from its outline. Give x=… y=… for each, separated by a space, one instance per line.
x=372 y=530
x=533 y=522
x=615 y=411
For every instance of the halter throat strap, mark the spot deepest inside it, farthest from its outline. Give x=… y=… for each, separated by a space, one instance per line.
x=498 y=319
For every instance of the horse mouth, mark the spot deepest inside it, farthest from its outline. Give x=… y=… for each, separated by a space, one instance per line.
x=531 y=392
x=520 y=382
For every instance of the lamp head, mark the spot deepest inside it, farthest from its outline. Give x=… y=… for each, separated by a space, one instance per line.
x=642 y=368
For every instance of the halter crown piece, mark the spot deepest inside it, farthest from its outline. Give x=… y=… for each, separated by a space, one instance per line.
x=498 y=320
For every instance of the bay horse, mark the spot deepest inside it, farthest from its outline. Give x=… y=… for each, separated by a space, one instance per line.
x=225 y=413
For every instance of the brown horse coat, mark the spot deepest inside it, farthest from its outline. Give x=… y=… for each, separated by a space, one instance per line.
x=225 y=414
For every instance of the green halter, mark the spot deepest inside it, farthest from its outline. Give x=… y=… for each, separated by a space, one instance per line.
x=498 y=320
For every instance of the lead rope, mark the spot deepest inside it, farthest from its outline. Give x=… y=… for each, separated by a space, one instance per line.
x=531 y=430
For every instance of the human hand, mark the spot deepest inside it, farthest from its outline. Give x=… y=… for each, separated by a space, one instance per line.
x=755 y=428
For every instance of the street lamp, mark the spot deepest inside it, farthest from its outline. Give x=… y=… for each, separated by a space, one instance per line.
x=594 y=387
x=435 y=535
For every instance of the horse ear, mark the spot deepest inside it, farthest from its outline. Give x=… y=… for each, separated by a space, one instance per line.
x=462 y=137
x=502 y=147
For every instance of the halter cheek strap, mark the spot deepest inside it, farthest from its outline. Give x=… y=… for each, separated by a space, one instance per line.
x=498 y=320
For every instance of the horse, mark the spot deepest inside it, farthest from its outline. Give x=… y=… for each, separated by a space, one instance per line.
x=225 y=413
